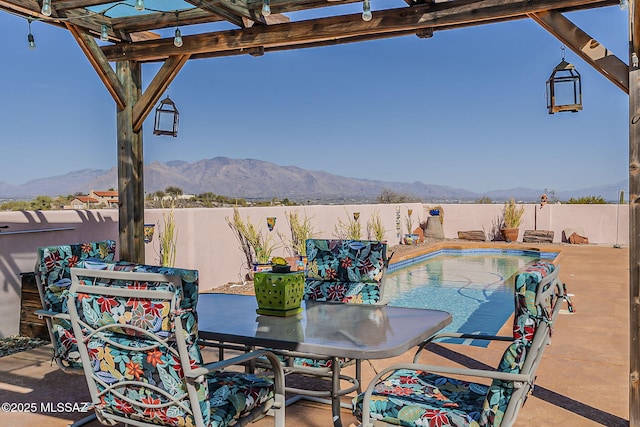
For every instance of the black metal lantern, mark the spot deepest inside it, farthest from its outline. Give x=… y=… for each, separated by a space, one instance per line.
x=167 y=116
x=564 y=89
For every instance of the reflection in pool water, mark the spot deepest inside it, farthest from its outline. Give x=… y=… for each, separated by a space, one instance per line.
x=475 y=286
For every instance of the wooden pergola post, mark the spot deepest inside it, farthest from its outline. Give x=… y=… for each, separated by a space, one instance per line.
x=130 y=166
x=634 y=215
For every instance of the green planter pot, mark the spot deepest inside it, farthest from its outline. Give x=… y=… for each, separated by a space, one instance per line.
x=279 y=294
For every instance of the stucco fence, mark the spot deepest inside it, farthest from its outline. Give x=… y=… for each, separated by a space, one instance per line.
x=206 y=243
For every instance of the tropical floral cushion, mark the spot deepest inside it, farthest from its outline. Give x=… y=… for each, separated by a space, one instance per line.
x=319 y=363
x=345 y=270
x=129 y=362
x=233 y=395
x=417 y=398
x=347 y=292
x=54 y=264
x=53 y=273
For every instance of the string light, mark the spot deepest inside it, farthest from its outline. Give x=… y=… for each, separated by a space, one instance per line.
x=266 y=9
x=104 y=33
x=366 y=11
x=177 y=39
x=46 y=8
x=624 y=4
x=139 y=5
x=30 y=39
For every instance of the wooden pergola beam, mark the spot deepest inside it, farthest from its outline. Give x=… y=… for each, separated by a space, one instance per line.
x=100 y=63
x=328 y=30
x=61 y=5
x=159 y=84
x=586 y=47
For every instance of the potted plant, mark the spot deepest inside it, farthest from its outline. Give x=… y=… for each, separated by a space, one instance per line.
x=279 y=292
x=410 y=238
x=437 y=211
x=255 y=244
x=511 y=220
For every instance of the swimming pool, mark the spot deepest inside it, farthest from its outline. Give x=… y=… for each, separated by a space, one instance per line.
x=474 y=285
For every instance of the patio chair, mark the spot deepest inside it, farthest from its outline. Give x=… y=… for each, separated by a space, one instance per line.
x=137 y=337
x=340 y=271
x=53 y=278
x=414 y=394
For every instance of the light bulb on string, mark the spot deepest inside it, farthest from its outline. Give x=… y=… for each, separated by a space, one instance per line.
x=104 y=33
x=624 y=4
x=30 y=39
x=366 y=11
x=139 y=5
x=46 y=8
x=177 y=39
x=266 y=9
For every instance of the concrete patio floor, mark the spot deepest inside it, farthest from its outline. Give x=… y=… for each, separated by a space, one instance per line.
x=582 y=380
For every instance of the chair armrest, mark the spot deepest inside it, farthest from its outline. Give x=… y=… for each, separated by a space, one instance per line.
x=278 y=373
x=52 y=314
x=504 y=338
x=388 y=260
x=481 y=373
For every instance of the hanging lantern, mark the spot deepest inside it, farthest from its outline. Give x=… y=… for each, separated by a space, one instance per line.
x=564 y=88
x=167 y=116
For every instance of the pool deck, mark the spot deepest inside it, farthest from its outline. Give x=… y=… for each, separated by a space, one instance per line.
x=582 y=380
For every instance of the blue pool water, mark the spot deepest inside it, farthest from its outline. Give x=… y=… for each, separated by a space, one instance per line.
x=475 y=286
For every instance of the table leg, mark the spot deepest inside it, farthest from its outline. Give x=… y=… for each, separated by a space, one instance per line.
x=335 y=389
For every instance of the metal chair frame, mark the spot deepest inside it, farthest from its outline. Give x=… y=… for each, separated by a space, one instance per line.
x=84 y=332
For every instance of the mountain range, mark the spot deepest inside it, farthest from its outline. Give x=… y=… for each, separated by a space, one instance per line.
x=257 y=179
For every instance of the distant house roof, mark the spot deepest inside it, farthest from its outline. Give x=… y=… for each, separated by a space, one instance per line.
x=87 y=199
x=106 y=193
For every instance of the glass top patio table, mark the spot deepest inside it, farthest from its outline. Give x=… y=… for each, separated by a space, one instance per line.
x=333 y=329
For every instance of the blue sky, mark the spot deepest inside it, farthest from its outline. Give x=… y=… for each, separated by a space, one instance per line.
x=465 y=108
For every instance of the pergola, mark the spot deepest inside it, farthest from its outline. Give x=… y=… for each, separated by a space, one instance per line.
x=130 y=38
